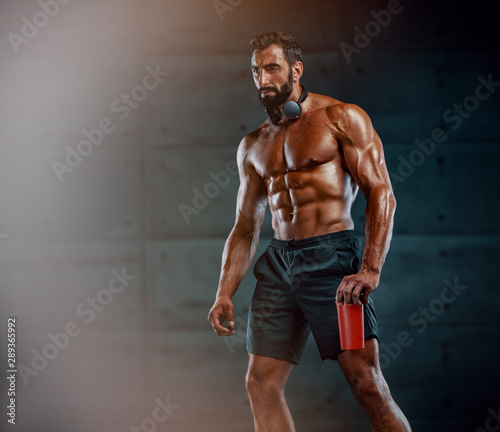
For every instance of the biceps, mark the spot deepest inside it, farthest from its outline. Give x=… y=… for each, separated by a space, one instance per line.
x=367 y=166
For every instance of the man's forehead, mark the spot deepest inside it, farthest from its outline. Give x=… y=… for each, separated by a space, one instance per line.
x=272 y=54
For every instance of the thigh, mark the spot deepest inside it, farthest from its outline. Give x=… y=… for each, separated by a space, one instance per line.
x=276 y=329
x=276 y=325
x=325 y=267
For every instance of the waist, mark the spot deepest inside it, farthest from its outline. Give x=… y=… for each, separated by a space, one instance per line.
x=337 y=236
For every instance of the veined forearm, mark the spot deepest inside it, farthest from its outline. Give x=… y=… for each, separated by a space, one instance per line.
x=238 y=254
x=380 y=209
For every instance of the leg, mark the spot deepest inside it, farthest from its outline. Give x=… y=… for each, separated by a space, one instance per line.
x=362 y=370
x=265 y=381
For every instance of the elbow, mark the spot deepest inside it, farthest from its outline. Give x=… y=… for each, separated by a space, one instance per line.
x=391 y=202
x=382 y=193
x=246 y=228
x=392 y=199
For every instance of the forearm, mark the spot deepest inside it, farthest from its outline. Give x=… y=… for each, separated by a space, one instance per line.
x=238 y=254
x=380 y=209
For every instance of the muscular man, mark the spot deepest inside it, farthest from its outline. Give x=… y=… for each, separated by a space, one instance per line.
x=308 y=169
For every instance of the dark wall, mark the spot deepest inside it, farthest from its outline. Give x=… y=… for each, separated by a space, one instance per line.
x=110 y=251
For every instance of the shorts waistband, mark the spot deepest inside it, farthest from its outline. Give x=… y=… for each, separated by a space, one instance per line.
x=311 y=241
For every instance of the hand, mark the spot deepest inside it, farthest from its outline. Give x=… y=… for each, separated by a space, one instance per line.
x=221 y=311
x=355 y=289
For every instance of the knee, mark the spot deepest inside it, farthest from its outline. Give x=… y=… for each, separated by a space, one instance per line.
x=370 y=386
x=259 y=385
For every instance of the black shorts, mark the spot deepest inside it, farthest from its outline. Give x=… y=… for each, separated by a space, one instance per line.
x=295 y=293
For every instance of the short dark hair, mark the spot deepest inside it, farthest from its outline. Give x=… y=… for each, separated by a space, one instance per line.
x=292 y=50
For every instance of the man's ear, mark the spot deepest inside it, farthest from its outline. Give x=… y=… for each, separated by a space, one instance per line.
x=298 y=69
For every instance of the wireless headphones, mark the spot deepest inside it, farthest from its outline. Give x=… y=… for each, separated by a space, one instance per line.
x=291 y=110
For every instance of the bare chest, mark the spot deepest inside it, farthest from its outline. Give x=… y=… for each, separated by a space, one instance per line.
x=298 y=146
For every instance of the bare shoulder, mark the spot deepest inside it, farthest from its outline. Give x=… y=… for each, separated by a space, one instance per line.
x=346 y=119
x=344 y=115
x=250 y=140
x=246 y=145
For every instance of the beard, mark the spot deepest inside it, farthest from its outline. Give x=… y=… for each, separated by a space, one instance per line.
x=281 y=94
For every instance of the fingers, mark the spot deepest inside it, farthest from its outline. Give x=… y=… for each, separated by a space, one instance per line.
x=228 y=313
x=357 y=295
x=352 y=290
x=363 y=297
x=340 y=292
x=217 y=324
x=223 y=331
x=217 y=316
x=344 y=291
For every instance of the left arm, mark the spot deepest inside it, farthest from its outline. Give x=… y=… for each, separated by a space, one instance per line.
x=364 y=155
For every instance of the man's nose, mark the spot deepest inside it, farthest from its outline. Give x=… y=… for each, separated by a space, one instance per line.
x=263 y=79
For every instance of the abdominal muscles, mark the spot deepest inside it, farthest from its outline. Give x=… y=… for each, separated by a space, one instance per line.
x=311 y=202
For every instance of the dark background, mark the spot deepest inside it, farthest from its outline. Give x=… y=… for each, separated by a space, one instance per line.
x=118 y=209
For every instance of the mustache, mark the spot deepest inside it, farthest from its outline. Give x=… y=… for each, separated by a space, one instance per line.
x=267 y=88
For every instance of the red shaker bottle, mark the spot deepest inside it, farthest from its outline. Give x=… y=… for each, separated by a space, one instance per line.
x=351 y=326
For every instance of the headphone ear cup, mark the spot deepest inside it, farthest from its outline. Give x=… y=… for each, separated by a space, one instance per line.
x=291 y=110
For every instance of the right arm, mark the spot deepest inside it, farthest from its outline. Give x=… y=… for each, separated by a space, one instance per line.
x=241 y=243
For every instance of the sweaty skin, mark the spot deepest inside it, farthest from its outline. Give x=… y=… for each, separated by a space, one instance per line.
x=309 y=171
